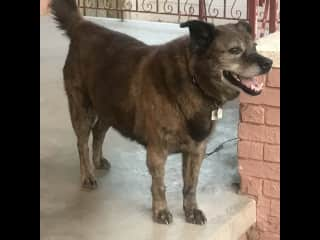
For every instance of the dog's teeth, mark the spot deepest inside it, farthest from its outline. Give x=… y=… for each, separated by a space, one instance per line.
x=236 y=77
x=254 y=88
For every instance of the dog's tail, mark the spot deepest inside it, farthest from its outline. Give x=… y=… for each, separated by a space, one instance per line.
x=66 y=13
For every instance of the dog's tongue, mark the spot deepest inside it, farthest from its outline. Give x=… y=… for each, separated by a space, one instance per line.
x=252 y=83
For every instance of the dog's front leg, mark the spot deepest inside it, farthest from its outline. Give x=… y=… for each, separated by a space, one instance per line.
x=156 y=159
x=191 y=166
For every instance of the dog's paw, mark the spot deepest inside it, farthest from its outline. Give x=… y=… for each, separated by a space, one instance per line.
x=195 y=216
x=104 y=164
x=164 y=217
x=89 y=183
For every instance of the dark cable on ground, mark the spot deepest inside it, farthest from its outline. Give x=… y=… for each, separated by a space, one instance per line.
x=220 y=146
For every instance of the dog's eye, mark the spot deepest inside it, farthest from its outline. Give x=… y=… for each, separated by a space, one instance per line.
x=235 y=50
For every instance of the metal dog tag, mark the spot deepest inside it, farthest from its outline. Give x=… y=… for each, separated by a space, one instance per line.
x=216 y=114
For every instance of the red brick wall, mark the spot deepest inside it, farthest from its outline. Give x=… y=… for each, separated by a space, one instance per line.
x=44 y=7
x=259 y=154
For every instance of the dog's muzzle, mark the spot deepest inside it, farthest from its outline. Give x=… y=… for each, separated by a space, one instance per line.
x=250 y=85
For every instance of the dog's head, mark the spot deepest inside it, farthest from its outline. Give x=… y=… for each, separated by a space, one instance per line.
x=230 y=52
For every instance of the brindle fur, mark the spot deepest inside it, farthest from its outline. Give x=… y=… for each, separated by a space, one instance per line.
x=148 y=94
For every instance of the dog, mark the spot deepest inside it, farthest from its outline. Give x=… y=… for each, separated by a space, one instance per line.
x=167 y=97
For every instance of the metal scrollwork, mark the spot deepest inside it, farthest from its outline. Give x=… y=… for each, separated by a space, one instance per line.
x=237 y=12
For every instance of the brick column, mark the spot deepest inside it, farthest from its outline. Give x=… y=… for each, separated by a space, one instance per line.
x=259 y=154
x=44 y=7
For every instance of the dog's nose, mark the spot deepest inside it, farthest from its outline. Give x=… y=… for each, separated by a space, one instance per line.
x=266 y=64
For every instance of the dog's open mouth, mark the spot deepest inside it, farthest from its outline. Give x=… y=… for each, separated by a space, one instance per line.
x=248 y=85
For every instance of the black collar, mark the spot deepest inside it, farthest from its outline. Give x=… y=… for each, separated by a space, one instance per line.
x=215 y=102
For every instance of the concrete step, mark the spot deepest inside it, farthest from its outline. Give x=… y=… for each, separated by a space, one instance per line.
x=121 y=210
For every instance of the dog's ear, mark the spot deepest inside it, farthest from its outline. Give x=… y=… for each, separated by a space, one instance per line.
x=201 y=34
x=244 y=26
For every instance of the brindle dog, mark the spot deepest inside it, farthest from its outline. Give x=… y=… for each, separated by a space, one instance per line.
x=160 y=96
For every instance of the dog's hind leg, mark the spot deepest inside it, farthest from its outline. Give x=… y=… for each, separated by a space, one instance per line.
x=99 y=131
x=82 y=118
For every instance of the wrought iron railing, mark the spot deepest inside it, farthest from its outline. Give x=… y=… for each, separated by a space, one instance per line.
x=262 y=14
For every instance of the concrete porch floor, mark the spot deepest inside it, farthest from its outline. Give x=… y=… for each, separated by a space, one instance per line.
x=121 y=206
